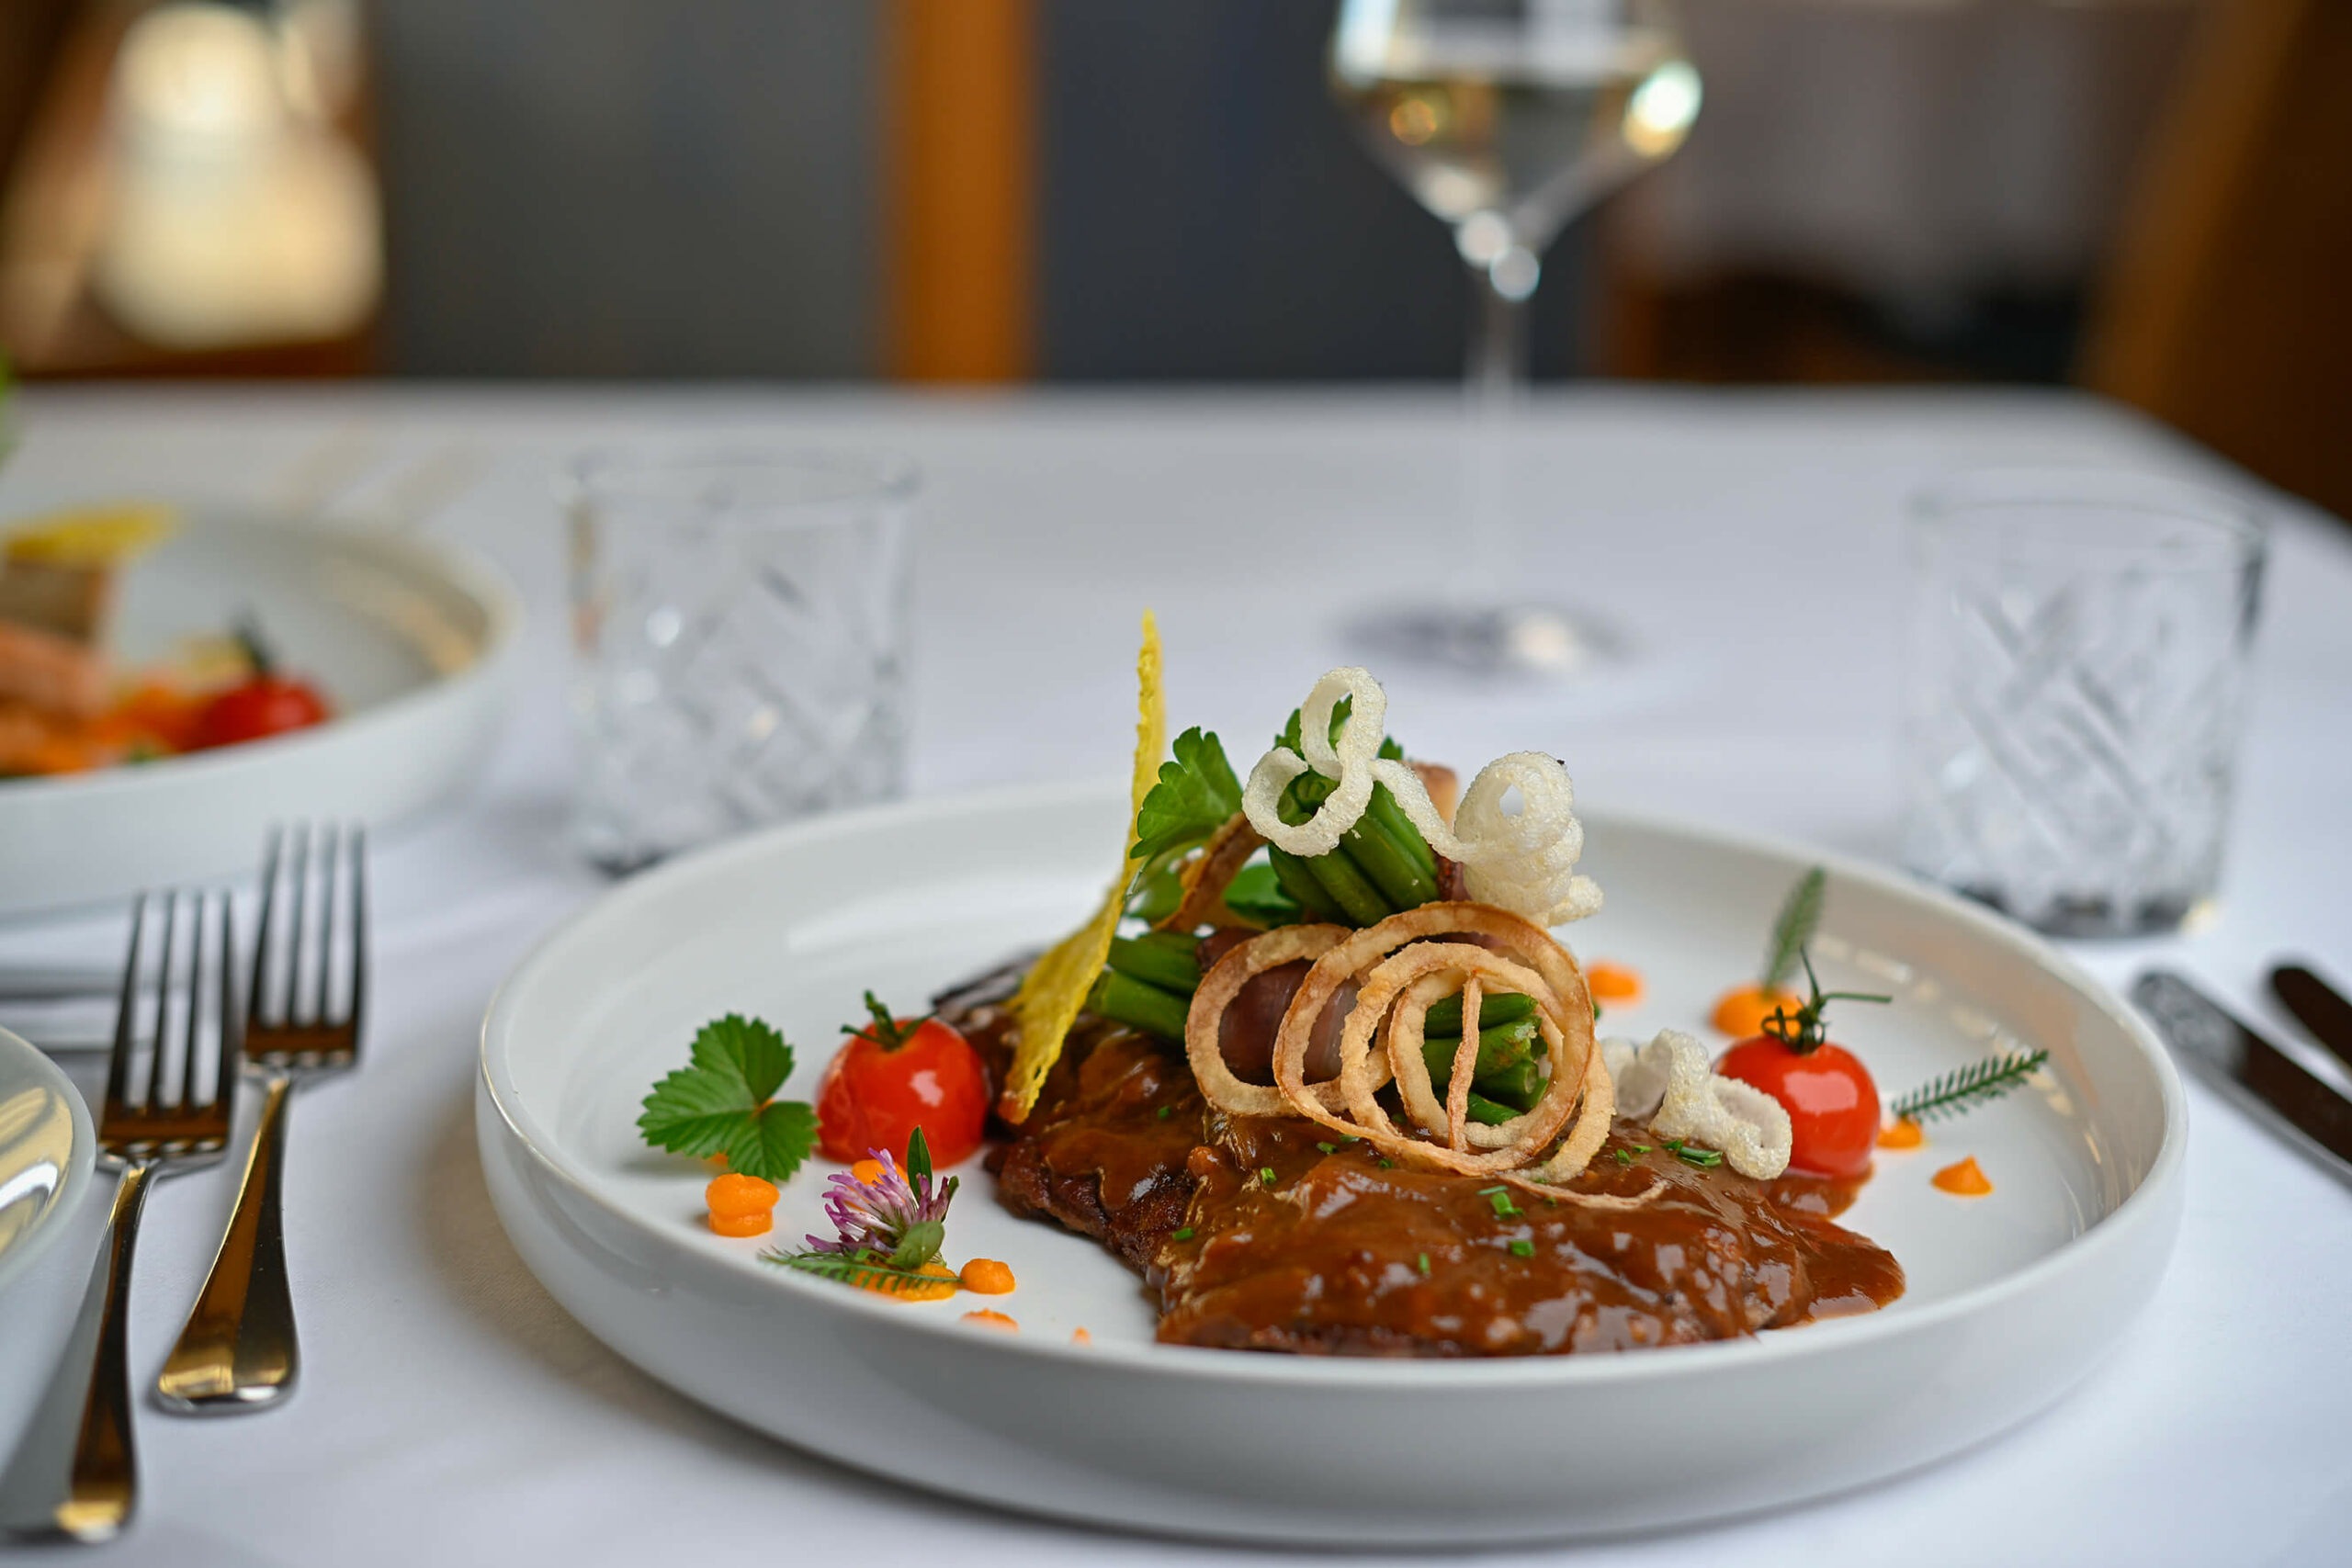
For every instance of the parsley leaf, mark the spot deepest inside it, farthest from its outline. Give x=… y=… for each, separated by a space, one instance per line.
x=721 y=1105
x=1196 y=795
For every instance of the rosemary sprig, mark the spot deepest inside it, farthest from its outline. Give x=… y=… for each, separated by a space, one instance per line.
x=850 y=1269
x=1793 y=928
x=1964 y=1089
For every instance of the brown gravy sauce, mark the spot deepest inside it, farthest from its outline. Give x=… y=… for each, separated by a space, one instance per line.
x=1289 y=1244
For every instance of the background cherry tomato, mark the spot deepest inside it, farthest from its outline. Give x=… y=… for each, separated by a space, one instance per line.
x=1831 y=1101
x=265 y=706
x=874 y=1096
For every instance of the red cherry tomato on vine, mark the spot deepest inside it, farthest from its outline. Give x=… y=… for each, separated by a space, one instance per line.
x=1832 y=1104
x=265 y=706
x=897 y=1074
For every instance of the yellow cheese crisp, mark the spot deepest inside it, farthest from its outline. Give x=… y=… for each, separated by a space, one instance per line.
x=1050 y=997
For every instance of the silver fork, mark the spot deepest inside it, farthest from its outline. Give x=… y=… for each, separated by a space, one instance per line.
x=239 y=1351
x=76 y=1472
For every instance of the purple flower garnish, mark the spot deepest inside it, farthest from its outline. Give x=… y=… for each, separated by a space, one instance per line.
x=888 y=1216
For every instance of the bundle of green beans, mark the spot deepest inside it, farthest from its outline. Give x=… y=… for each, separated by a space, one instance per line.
x=1509 y=1079
x=1148 y=983
x=1381 y=866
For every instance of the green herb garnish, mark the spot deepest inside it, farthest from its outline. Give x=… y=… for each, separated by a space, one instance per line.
x=1522 y=1248
x=1166 y=1111
x=1328 y=1149
x=853 y=1268
x=720 y=1104
x=1425 y=1265
x=1793 y=928
x=1498 y=1198
x=1183 y=1235
x=1704 y=1158
x=1196 y=795
x=1624 y=1158
x=1960 y=1092
x=1266 y=1174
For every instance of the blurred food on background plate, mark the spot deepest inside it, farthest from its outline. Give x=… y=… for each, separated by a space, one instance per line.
x=66 y=707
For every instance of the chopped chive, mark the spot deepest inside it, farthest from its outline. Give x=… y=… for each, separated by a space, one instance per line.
x=1522 y=1248
x=1387 y=1164
x=1501 y=1203
x=1266 y=1174
x=1641 y=1148
x=1496 y=1188
x=1328 y=1149
x=1166 y=1110
x=1425 y=1265
x=1624 y=1158
x=1183 y=1235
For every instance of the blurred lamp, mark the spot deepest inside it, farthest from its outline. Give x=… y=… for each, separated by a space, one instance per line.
x=234 y=218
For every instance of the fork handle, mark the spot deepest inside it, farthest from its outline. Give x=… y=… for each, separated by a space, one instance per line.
x=89 y=1489
x=237 y=1351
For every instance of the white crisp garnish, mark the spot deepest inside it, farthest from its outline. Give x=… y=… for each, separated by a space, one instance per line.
x=1523 y=861
x=1670 y=1082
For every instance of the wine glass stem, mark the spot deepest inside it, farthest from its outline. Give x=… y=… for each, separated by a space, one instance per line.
x=1497 y=367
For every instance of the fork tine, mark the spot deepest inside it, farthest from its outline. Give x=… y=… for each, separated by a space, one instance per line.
x=359 y=927
x=156 y=1057
x=330 y=863
x=233 y=1040
x=297 y=924
x=126 y=1016
x=257 y=999
x=190 y=1030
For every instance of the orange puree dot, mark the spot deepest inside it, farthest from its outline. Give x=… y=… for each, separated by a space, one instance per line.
x=867 y=1170
x=1080 y=1337
x=986 y=1277
x=757 y=1222
x=1962 y=1180
x=1901 y=1134
x=1742 y=1012
x=1617 y=983
x=737 y=1194
x=995 y=1320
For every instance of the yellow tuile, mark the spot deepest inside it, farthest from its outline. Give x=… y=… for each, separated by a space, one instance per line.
x=91 y=536
x=1056 y=988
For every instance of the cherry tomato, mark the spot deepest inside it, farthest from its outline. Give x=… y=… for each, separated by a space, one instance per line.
x=265 y=706
x=897 y=1074
x=1832 y=1104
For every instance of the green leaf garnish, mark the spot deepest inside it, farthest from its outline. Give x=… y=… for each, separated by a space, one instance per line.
x=1196 y=795
x=720 y=1104
x=1793 y=928
x=1963 y=1089
x=918 y=1157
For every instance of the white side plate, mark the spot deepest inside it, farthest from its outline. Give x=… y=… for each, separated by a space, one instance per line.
x=409 y=639
x=2012 y=1297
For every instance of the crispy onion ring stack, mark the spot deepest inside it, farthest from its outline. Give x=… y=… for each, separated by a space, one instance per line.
x=1402 y=967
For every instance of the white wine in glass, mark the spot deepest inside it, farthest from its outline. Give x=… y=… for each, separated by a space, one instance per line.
x=1506 y=119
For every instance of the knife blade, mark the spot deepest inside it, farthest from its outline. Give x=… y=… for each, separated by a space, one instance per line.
x=2249 y=1071
x=2320 y=1007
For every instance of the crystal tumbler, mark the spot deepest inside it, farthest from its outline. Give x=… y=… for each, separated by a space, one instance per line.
x=2078 y=657
x=741 y=622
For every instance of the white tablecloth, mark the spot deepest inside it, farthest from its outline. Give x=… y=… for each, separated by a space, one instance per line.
x=451 y=1412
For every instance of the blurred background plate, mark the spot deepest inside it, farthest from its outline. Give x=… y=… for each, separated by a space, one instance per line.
x=409 y=640
x=47 y=1146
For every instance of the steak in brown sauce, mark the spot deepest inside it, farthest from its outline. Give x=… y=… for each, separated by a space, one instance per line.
x=1296 y=1241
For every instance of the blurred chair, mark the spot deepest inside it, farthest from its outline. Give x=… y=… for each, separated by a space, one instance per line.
x=2226 y=310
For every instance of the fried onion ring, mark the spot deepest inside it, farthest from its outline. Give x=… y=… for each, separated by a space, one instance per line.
x=1204 y=1046
x=1206 y=875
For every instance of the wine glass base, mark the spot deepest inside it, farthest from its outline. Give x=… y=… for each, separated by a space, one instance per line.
x=1525 y=639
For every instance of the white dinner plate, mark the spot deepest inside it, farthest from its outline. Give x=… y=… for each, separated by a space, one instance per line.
x=409 y=639
x=2011 y=1297
x=47 y=1146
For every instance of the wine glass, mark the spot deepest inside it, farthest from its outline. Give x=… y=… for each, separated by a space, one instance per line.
x=1506 y=118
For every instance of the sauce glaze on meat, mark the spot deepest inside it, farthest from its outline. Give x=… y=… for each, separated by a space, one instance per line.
x=1291 y=1246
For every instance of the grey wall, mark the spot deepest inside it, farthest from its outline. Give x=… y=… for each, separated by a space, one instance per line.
x=617 y=188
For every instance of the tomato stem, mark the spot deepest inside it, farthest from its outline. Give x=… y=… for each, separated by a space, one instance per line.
x=886 y=1031
x=1803 y=1031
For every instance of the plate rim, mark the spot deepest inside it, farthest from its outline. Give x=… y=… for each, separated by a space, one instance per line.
x=458 y=564
x=80 y=1161
x=2147 y=1203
